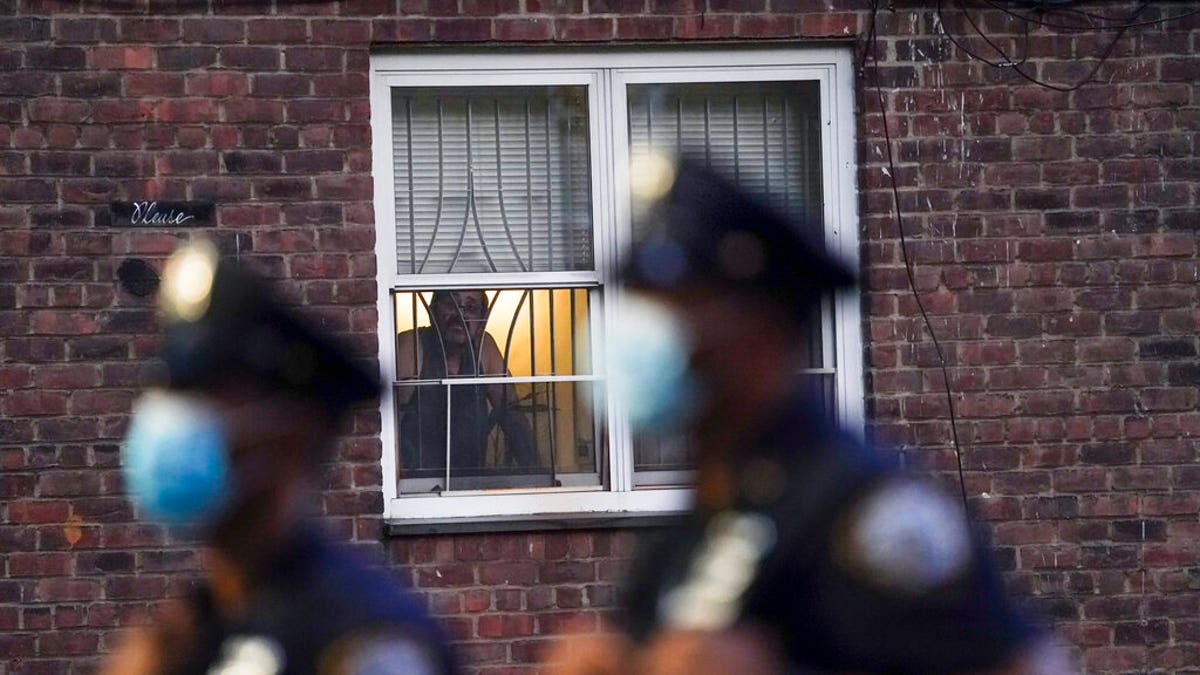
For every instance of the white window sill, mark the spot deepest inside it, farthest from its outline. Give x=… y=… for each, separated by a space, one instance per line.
x=544 y=506
x=412 y=527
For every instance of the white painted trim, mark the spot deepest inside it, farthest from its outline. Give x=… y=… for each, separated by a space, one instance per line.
x=385 y=263
x=606 y=73
x=525 y=61
x=493 y=280
x=523 y=503
x=841 y=180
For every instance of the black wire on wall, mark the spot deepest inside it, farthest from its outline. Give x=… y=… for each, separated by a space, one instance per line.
x=1017 y=66
x=873 y=53
x=1044 y=14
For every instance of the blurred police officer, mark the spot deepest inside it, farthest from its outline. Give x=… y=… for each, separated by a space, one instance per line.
x=229 y=448
x=805 y=551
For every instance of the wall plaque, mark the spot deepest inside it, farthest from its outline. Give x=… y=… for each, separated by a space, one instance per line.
x=162 y=214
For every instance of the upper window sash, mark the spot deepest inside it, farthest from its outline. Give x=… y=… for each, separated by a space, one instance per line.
x=830 y=104
x=387 y=219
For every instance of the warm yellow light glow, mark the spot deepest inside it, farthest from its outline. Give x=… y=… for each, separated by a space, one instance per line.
x=570 y=349
x=651 y=175
x=187 y=281
x=549 y=336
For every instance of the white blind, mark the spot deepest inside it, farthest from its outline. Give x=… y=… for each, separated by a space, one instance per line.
x=492 y=179
x=765 y=136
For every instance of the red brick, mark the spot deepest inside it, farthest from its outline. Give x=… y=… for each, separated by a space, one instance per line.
x=109 y=58
x=250 y=58
x=401 y=30
x=217 y=84
x=188 y=110
x=445 y=575
x=39 y=564
x=505 y=626
x=213 y=31
x=149 y=30
x=341 y=32
x=252 y=110
x=532 y=29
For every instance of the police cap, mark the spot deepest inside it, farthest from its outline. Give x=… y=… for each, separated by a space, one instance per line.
x=700 y=227
x=223 y=320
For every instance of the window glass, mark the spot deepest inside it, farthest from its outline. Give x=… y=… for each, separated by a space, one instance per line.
x=492 y=179
x=494 y=389
x=765 y=136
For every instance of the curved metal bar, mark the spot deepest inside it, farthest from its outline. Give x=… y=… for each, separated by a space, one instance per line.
x=436 y=331
x=412 y=216
x=472 y=208
x=474 y=211
x=441 y=187
x=500 y=193
x=462 y=235
x=512 y=326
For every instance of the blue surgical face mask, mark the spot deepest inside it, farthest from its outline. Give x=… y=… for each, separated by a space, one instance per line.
x=648 y=351
x=176 y=459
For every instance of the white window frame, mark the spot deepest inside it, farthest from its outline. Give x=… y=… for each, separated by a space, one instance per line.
x=606 y=75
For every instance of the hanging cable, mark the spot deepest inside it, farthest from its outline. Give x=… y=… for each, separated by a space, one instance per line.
x=1107 y=23
x=1008 y=62
x=873 y=54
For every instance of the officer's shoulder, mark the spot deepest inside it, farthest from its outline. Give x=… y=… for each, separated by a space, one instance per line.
x=382 y=652
x=904 y=535
x=350 y=580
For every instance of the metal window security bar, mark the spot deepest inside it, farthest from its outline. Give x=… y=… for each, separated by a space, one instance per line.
x=492 y=179
x=766 y=137
x=494 y=390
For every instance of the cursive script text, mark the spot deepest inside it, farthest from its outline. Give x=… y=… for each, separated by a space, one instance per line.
x=147 y=213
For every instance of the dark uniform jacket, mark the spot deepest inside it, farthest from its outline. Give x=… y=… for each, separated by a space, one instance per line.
x=868 y=570
x=318 y=611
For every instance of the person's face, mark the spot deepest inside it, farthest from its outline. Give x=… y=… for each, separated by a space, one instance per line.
x=267 y=433
x=461 y=316
x=729 y=333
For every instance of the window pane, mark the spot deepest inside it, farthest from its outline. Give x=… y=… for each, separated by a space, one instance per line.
x=819 y=388
x=492 y=179
x=765 y=136
x=459 y=433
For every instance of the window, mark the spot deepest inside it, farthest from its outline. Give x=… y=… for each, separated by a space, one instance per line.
x=502 y=209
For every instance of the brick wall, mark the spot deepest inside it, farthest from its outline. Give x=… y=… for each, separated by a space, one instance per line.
x=1053 y=236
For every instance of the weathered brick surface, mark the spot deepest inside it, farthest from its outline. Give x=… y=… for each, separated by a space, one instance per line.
x=1053 y=236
